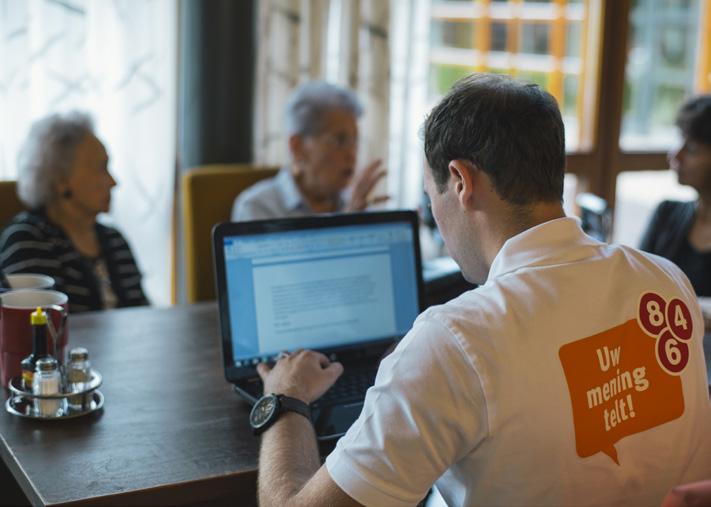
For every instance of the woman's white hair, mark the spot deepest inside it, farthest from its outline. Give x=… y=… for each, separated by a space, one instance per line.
x=309 y=103
x=47 y=155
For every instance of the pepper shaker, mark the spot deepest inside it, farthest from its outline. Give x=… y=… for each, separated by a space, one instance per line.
x=78 y=372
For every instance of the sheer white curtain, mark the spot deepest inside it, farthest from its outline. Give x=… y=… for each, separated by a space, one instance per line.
x=291 y=50
x=117 y=60
x=409 y=103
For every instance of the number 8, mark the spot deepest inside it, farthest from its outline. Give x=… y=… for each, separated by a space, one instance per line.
x=656 y=317
x=651 y=314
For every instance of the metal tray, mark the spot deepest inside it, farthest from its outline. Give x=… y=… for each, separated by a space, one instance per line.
x=21 y=403
x=24 y=407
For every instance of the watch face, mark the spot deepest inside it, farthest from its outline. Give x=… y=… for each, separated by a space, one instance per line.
x=263 y=410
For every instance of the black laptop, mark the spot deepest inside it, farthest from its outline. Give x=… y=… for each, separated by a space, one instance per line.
x=348 y=286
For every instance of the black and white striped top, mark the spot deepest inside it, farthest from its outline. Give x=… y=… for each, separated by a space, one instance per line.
x=30 y=243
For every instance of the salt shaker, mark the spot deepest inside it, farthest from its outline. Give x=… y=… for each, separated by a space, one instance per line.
x=78 y=372
x=46 y=380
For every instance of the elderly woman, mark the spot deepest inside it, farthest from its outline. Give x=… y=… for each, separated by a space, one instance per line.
x=65 y=183
x=321 y=122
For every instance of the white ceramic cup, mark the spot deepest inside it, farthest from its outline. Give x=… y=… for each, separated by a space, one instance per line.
x=30 y=281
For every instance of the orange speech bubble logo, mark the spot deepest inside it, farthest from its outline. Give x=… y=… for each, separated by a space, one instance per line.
x=626 y=380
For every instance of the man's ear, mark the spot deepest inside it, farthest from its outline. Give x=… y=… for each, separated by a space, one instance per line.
x=462 y=180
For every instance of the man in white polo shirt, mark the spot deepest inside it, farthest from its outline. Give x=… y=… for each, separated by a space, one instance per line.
x=573 y=375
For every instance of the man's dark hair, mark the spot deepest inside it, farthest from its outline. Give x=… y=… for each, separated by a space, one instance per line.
x=694 y=119
x=511 y=130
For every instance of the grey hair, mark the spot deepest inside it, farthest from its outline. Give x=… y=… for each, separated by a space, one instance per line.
x=310 y=101
x=47 y=155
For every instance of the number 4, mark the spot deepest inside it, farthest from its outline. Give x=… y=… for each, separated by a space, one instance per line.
x=679 y=319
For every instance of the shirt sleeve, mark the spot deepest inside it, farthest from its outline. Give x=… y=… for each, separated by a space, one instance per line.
x=24 y=249
x=425 y=412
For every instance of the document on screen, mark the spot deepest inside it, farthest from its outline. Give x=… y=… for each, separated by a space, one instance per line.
x=324 y=302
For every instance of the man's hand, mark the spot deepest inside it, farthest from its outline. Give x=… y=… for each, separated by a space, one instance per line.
x=363 y=184
x=289 y=472
x=304 y=375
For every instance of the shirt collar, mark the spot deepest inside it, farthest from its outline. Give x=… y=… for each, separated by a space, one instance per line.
x=291 y=196
x=550 y=242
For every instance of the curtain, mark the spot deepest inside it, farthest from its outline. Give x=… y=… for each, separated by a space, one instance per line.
x=409 y=102
x=341 y=41
x=115 y=59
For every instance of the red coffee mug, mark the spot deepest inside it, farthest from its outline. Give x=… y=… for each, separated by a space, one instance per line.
x=16 y=330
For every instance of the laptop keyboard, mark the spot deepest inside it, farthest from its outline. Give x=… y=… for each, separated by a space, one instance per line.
x=349 y=387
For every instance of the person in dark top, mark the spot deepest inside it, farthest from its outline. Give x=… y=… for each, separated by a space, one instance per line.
x=65 y=183
x=681 y=231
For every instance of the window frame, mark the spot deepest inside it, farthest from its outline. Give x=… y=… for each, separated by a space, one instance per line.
x=599 y=158
x=598 y=168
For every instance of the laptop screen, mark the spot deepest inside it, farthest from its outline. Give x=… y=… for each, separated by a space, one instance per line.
x=320 y=288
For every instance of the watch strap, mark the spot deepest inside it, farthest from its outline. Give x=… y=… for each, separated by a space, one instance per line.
x=284 y=404
x=289 y=404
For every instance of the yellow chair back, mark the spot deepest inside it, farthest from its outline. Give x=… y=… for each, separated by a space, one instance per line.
x=10 y=204
x=208 y=193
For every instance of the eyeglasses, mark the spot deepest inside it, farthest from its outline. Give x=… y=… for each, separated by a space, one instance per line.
x=338 y=140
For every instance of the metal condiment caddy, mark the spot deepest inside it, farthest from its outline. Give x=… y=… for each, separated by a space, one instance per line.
x=29 y=405
x=46 y=390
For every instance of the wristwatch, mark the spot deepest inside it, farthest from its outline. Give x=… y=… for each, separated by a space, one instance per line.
x=270 y=407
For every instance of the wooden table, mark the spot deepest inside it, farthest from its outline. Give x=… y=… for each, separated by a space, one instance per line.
x=172 y=431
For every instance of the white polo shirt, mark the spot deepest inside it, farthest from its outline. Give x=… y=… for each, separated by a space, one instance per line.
x=276 y=197
x=561 y=381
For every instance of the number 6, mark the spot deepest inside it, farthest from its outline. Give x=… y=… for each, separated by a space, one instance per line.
x=673 y=355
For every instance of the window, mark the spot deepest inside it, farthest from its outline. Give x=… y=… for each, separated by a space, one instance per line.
x=661 y=70
x=618 y=104
x=667 y=62
x=542 y=41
